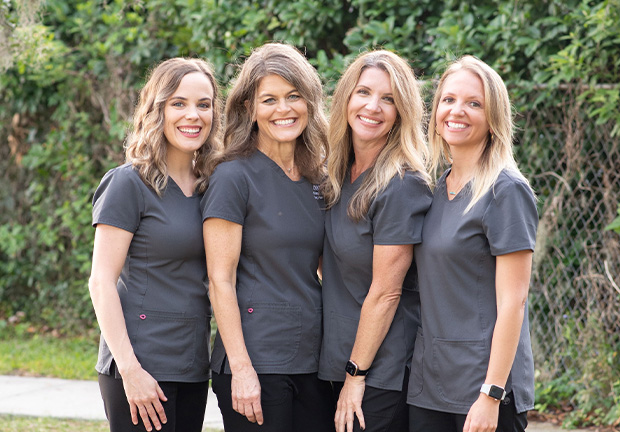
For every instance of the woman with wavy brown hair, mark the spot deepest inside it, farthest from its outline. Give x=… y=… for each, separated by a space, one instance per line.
x=148 y=273
x=376 y=194
x=263 y=231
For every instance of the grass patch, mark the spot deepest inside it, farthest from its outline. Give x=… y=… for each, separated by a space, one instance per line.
x=12 y=423
x=45 y=424
x=43 y=355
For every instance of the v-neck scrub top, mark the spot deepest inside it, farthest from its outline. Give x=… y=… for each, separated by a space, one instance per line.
x=395 y=217
x=456 y=268
x=278 y=290
x=162 y=286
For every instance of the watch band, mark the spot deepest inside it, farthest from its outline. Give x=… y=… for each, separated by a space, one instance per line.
x=496 y=392
x=353 y=369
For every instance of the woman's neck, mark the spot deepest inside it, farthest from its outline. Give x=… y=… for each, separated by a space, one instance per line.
x=365 y=157
x=180 y=167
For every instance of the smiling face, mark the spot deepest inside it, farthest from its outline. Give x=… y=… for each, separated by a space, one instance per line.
x=281 y=113
x=188 y=114
x=371 y=112
x=460 y=116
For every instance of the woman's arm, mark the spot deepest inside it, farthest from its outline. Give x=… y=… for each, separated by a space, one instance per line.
x=223 y=247
x=389 y=267
x=512 y=281
x=143 y=392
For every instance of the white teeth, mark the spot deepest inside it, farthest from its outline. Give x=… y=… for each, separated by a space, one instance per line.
x=456 y=125
x=284 y=122
x=367 y=120
x=190 y=131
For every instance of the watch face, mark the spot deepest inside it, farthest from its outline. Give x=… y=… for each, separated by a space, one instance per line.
x=496 y=392
x=350 y=368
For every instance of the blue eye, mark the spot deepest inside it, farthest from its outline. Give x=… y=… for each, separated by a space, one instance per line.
x=294 y=97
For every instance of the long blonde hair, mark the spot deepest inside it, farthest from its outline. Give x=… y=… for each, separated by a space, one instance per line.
x=497 y=154
x=405 y=148
x=285 y=61
x=145 y=147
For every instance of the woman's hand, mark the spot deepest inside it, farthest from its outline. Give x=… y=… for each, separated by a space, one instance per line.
x=245 y=392
x=350 y=404
x=483 y=415
x=144 y=396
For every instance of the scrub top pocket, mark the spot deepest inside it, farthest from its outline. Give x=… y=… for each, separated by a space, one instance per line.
x=462 y=363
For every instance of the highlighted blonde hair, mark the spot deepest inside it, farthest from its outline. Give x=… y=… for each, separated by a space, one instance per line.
x=146 y=145
x=285 y=61
x=405 y=148
x=497 y=154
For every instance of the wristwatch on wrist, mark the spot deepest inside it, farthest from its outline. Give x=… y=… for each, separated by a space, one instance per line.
x=493 y=391
x=353 y=369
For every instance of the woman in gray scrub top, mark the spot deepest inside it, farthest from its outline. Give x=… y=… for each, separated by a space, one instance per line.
x=472 y=367
x=377 y=194
x=148 y=280
x=263 y=231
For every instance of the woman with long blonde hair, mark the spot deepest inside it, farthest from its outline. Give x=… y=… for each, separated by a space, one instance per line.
x=148 y=272
x=472 y=367
x=376 y=194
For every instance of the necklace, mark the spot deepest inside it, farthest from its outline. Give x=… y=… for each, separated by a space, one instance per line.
x=458 y=187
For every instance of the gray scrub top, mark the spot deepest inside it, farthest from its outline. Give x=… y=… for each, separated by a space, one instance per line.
x=278 y=289
x=456 y=268
x=162 y=286
x=395 y=217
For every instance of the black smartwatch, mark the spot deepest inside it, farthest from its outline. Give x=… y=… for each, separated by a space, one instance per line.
x=352 y=369
x=493 y=391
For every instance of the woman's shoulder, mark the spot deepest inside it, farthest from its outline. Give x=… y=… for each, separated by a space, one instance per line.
x=511 y=181
x=122 y=176
x=409 y=179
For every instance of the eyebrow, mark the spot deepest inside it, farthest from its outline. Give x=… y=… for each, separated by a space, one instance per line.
x=366 y=87
x=184 y=98
x=262 y=95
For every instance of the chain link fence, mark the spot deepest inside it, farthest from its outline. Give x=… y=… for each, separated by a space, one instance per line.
x=573 y=165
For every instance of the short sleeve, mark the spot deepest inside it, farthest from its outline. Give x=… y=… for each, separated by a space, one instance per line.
x=118 y=201
x=227 y=195
x=511 y=219
x=397 y=214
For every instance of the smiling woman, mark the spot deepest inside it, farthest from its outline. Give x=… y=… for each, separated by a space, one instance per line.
x=263 y=230
x=148 y=271
x=377 y=194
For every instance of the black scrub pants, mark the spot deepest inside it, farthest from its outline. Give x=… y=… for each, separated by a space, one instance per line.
x=185 y=407
x=426 y=420
x=384 y=410
x=290 y=403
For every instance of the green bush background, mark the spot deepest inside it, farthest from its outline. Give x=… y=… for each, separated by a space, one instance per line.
x=72 y=69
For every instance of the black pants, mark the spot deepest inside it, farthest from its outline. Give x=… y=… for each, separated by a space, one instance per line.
x=185 y=407
x=290 y=403
x=425 y=420
x=384 y=410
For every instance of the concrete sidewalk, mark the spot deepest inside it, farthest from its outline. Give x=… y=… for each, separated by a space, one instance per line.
x=52 y=397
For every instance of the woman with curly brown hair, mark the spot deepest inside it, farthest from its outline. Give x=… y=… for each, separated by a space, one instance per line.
x=148 y=273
